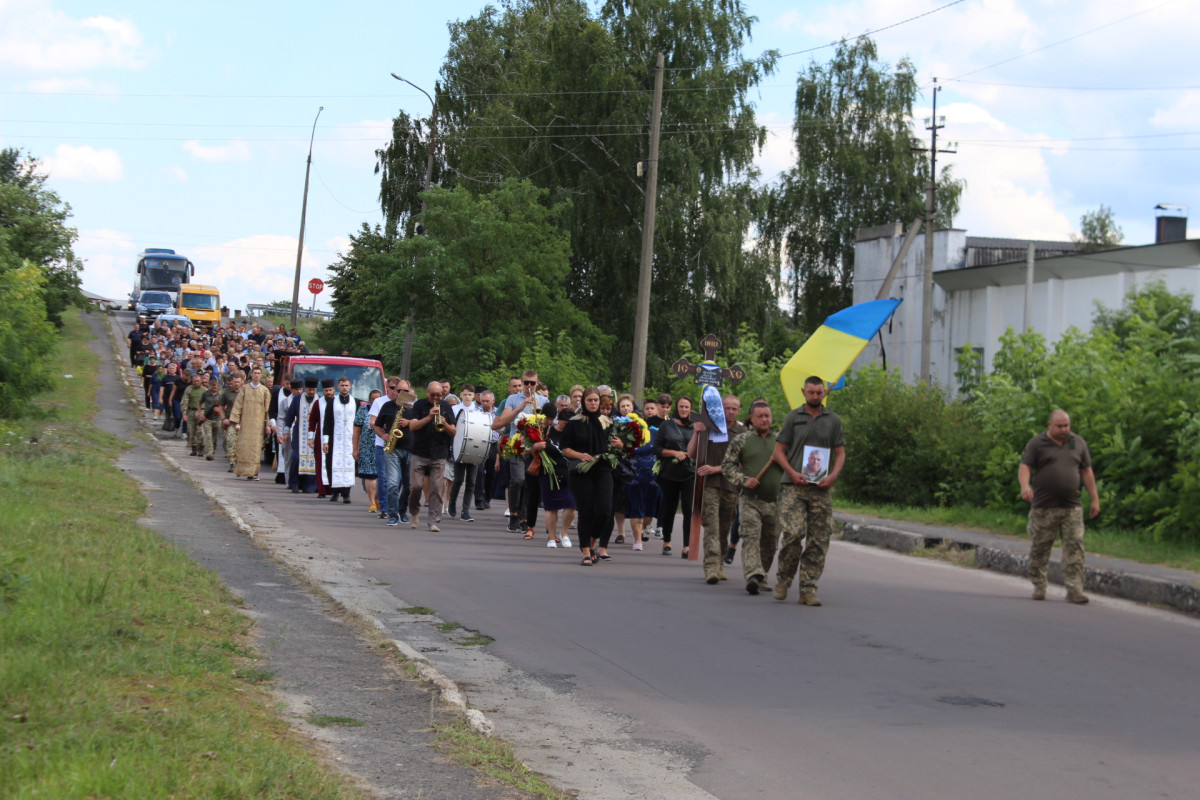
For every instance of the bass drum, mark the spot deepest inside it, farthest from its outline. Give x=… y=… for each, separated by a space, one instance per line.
x=472 y=437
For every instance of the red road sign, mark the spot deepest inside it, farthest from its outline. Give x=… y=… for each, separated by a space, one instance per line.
x=316 y=286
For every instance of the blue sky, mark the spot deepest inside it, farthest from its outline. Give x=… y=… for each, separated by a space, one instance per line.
x=187 y=126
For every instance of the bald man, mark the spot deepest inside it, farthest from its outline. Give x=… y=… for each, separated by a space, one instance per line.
x=1055 y=462
x=431 y=423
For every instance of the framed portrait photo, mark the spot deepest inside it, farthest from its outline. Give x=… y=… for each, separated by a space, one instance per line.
x=816 y=463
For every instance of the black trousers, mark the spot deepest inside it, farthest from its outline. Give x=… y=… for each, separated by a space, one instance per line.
x=593 y=492
x=676 y=493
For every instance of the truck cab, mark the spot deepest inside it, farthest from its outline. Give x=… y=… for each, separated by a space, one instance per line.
x=201 y=304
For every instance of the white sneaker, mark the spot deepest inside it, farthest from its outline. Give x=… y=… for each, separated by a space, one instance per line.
x=566 y=541
x=573 y=523
x=551 y=544
x=507 y=513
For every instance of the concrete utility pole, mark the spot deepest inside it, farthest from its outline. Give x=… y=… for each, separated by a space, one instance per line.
x=1030 y=255
x=406 y=359
x=303 y=214
x=934 y=124
x=641 y=324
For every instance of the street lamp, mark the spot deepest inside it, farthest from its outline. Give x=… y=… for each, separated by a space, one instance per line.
x=408 y=328
x=303 y=213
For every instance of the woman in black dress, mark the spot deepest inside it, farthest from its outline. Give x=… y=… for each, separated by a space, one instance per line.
x=675 y=472
x=587 y=436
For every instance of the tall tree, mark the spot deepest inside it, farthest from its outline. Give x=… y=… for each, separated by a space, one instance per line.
x=1098 y=230
x=556 y=94
x=33 y=228
x=856 y=166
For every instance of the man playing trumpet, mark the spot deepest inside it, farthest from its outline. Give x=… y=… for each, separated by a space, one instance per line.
x=431 y=425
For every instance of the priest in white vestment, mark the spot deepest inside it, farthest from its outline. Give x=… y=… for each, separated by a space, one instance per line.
x=332 y=427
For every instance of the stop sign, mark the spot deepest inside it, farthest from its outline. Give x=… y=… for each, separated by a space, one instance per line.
x=316 y=286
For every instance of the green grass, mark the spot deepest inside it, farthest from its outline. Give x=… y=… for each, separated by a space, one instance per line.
x=126 y=671
x=492 y=756
x=1133 y=545
x=326 y=721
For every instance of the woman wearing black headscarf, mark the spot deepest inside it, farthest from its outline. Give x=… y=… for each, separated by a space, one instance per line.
x=675 y=472
x=587 y=436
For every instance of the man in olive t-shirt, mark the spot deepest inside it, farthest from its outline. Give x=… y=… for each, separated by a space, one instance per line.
x=1057 y=460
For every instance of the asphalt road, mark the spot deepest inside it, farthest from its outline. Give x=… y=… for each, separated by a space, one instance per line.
x=916 y=679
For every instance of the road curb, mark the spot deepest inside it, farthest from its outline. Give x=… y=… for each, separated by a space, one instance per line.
x=1147 y=589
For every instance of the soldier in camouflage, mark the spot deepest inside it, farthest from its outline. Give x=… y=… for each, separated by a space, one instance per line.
x=191 y=407
x=748 y=464
x=1054 y=464
x=805 y=508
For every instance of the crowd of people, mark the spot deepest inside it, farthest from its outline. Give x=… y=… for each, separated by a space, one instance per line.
x=409 y=457
x=569 y=458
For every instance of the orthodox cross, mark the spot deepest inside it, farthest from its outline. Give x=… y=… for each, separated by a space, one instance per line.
x=708 y=371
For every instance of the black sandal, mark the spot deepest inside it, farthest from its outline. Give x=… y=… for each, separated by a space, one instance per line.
x=619 y=540
x=586 y=562
x=666 y=549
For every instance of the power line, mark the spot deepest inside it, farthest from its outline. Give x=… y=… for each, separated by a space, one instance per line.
x=1068 y=39
x=1081 y=88
x=872 y=32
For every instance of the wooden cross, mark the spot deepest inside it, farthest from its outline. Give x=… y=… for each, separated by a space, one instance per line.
x=708 y=371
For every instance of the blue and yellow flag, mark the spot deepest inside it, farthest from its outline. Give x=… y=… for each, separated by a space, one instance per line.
x=832 y=348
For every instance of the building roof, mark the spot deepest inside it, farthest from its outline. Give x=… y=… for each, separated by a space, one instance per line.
x=1143 y=258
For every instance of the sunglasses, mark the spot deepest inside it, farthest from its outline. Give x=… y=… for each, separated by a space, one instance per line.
x=529 y=383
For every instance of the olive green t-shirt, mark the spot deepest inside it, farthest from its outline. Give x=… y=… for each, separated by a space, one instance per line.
x=801 y=428
x=1056 y=469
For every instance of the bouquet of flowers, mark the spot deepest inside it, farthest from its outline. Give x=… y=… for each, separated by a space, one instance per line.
x=633 y=431
x=532 y=430
x=511 y=447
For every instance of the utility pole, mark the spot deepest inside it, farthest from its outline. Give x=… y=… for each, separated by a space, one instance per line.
x=406 y=359
x=303 y=214
x=641 y=324
x=933 y=125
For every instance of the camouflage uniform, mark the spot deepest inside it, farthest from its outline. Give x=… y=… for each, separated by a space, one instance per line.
x=807 y=512
x=759 y=534
x=758 y=508
x=191 y=407
x=227 y=399
x=1045 y=524
x=210 y=425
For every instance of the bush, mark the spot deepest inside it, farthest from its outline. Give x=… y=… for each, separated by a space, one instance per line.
x=905 y=444
x=27 y=340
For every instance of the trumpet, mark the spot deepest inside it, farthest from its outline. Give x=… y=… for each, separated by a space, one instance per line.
x=439 y=423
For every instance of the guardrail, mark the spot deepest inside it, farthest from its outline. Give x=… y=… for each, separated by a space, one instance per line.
x=259 y=310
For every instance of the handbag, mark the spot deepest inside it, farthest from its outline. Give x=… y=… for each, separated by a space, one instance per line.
x=624 y=471
x=169 y=423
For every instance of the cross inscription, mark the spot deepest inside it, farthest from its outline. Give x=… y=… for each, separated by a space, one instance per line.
x=708 y=371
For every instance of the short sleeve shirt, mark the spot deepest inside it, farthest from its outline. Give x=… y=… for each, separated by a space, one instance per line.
x=376 y=406
x=427 y=441
x=801 y=429
x=1056 y=469
x=517 y=401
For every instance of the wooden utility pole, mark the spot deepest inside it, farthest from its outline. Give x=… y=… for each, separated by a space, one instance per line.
x=641 y=324
x=303 y=214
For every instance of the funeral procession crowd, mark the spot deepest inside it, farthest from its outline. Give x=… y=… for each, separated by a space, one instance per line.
x=614 y=469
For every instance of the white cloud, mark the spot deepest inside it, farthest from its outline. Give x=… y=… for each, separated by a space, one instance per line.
x=255 y=269
x=72 y=86
x=38 y=38
x=1183 y=113
x=779 y=152
x=109 y=259
x=178 y=174
x=236 y=150
x=1009 y=191
x=84 y=163
x=338 y=244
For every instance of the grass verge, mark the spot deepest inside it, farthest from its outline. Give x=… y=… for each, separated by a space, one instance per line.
x=492 y=756
x=126 y=671
x=1117 y=543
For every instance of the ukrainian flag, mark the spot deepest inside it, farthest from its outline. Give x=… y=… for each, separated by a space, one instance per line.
x=832 y=348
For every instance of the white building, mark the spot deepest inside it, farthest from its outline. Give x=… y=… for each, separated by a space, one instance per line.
x=980 y=290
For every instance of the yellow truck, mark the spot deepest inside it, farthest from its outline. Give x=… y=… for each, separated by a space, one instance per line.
x=201 y=304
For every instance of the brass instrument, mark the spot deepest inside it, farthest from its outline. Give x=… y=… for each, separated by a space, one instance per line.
x=397 y=433
x=439 y=423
